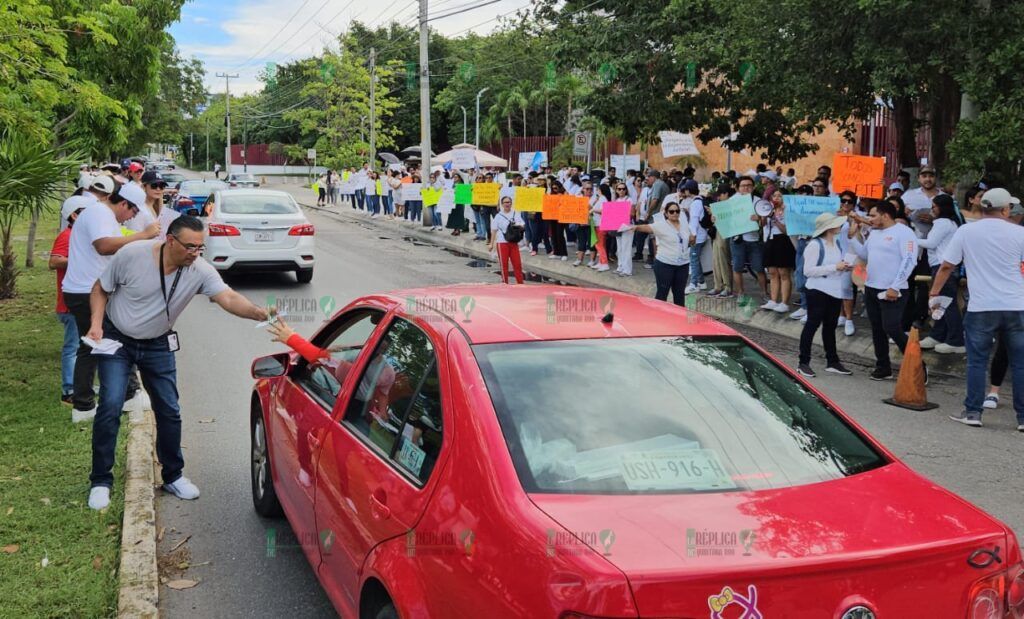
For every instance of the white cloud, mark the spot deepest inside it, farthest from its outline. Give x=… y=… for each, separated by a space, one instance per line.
x=258 y=28
x=200 y=20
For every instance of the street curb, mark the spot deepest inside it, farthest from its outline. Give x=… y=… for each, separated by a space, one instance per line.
x=731 y=310
x=138 y=588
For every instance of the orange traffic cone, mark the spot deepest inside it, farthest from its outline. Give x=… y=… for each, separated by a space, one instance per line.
x=910 y=391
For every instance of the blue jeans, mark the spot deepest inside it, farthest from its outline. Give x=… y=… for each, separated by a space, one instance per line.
x=981 y=329
x=389 y=203
x=801 y=279
x=414 y=209
x=436 y=217
x=68 y=353
x=950 y=328
x=744 y=252
x=696 y=269
x=159 y=376
x=374 y=204
x=671 y=278
x=480 y=221
x=361 y=198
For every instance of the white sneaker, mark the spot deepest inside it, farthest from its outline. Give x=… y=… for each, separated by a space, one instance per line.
x=702 y=286
x=842 y=321
x=768 y=305
x=552 y=257
x=577 y=263
x=928 y=342
x=565 y=258
x=601 y=268
x=849 y=329
x=781 y=308
x=800 y=314
x=99 y=498
x=692 y=289
x=945 y=349
x=991 y=401
x=183 y=489
x=78 y=416
x=803 y=320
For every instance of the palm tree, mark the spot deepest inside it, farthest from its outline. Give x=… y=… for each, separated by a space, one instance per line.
x=31 y=180
x=521 y=96
x=543 y=95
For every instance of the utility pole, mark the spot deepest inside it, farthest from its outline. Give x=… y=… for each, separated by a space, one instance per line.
x=463 y=123
x=424 y=100
x=227 y=117
x=373 y=110
x=245 y=145
x=191 y=147
x=208 y=144
x=478 y=95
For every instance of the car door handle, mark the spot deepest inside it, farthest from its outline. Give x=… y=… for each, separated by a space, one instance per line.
x=379 y=507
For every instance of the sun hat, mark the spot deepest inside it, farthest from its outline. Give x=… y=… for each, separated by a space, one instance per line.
x=827 y=221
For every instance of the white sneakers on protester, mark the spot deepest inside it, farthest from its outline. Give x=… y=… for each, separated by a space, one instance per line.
x=183 y=489
x=99 y=497
x=78 y=416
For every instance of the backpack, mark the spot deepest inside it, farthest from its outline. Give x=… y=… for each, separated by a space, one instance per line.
x=513 y=233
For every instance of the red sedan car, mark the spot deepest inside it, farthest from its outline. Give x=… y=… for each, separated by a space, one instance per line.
x=542 y=451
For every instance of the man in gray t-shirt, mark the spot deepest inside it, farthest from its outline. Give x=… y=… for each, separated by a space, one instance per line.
x=135 y=302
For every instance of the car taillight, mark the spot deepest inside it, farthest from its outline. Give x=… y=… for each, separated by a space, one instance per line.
x=185 y=202
x=223 y=230
x=1015 y=591
x=302 y=230
x=986 y=598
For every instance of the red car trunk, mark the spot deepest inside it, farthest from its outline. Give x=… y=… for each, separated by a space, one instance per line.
x=808 y=551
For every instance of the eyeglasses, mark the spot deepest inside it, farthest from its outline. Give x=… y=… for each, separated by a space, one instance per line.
x=672 y=212
x=818 y=186
x=846 y=201
x=621 y=189
x=189 y=247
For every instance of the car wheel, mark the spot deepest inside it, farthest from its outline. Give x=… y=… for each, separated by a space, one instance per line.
x=387 y=611
x=264 y=498
x=304 y=276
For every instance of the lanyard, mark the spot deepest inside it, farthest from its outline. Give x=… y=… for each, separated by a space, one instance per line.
x=163 y=286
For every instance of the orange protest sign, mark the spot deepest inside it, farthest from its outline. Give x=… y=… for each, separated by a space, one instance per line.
x=859 y=174
x=552 y=205
x=575 y=210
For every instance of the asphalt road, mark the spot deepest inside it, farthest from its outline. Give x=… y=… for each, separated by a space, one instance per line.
x=228 y=548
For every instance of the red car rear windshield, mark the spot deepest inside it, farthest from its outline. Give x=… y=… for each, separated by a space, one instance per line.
x=662 y=415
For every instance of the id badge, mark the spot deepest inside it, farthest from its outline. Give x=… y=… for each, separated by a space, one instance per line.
x=172 y=342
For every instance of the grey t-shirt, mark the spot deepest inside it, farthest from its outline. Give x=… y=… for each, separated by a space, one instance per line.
x=136 y=305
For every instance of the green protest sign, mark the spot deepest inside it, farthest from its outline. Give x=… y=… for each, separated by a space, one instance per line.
x=732 y=216
x=463 y=194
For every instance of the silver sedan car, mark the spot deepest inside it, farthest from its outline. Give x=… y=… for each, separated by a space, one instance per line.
x=258 y=230
x=242 y=180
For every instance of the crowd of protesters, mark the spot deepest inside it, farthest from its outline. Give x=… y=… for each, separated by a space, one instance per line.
x=880 y=253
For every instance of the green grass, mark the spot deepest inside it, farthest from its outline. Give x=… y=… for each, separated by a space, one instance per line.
x=44 y=467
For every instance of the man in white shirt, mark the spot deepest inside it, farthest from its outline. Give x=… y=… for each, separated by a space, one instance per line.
x=992 y=250
x=95 y=237
x=919 y=211
x=747 y=248
x=891 y=253
x=693 y=205
x=90 y=195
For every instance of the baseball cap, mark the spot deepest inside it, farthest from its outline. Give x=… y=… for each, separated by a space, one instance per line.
x=926 y=169
x=103 y=183
x=85 y=180
x=897 y=186
x=997 y=198
x=111 y=167
x=134 y=194
x=691 y=186
x=135 y=166
x=153 y=177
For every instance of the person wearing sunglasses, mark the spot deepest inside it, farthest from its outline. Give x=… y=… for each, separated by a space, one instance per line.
x=624 y=240
x=137 y=299
x=672 y=261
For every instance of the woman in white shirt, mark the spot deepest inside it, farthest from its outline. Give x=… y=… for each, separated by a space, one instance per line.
x=823 y=267
x=624 y=240
x=373 y=193
x=672 y=262
x=508 y=251
x=947 y=334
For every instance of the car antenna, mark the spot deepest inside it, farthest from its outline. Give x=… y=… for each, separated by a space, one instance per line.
x=608 y=318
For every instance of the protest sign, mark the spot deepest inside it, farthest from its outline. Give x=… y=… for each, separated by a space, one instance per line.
x=675 y=144
x=486 y=194
x=446 y=202
x=411 y=192
x=859 y=174
x=614 y=214
x=574 y=210
x=464 y=158
x=732 y=216
x=463 y=194
x=801 y=212
x=529 y=199
x=533 y=160
x=430 y=196
x=551 y=205
x=624 y=163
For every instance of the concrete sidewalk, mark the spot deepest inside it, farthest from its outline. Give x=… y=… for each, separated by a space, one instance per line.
x=740 y=311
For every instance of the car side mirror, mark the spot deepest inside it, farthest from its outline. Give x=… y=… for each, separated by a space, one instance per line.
x=271 y=366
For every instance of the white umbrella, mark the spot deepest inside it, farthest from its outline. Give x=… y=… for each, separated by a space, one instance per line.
x=483 y=158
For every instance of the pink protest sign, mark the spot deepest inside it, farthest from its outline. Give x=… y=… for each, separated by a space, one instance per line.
x=613 y=215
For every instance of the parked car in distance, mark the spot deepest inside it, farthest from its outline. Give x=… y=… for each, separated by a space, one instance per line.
x=192 y=195
x=173 y=180
x=258 y=230
x=242 y=180
x=161 y=165
x=570 y=453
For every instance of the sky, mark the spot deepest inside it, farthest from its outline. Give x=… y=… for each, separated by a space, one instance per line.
x=242 y=36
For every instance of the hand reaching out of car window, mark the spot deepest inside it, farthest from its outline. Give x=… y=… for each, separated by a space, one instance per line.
x=280 y=330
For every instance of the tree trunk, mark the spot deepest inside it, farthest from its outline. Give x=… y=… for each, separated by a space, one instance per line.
x=30 y=244
x=508 y=117
x=944 y=113
x=524 y=122
x=906 y=132
x=547 y=113
x=8 y=268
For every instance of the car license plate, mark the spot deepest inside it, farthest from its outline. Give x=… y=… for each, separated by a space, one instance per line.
x=675 y=469
x=264 y=237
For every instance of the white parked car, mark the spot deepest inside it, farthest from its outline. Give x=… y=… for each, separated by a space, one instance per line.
x=242 y=180
x=258 y=230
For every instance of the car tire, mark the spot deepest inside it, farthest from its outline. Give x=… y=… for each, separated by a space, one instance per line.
x=264 y=498
x=386 y=611
x=304 y=276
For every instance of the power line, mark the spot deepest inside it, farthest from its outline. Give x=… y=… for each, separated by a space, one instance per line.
x=464 y=9
x=283 y=28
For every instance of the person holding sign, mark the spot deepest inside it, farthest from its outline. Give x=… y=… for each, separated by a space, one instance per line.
x=824 y=268
x=508 y=228
x=672 y=262
x=558 y=229
x=780 y=254
x=624 y=240
x=746 y=248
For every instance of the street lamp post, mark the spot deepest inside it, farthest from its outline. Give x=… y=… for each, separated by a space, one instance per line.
x=478 y=95
x=464 y=136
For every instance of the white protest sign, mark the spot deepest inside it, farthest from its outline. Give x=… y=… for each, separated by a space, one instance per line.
x=675 y=144
x=447 y=202
x=528 y=160
x=622 y=163
x=464 y=158
x=411 y=192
